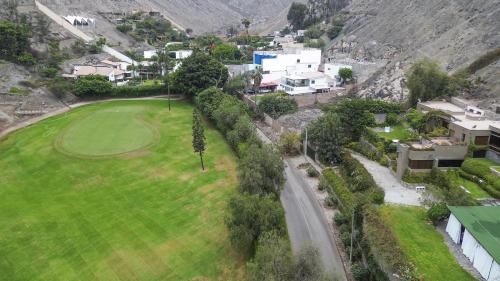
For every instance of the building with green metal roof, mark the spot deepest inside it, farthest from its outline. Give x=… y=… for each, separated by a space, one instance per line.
x=477 y=230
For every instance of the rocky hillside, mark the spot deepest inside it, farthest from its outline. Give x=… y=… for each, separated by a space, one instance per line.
x=395 y=33
x=200 y=15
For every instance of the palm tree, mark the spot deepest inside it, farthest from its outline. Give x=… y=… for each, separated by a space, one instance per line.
x=257 y=79
x=246 y=22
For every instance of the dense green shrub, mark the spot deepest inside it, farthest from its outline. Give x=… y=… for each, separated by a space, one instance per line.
x=92 y=85
x=412 y=177
x=481 y=169
x=427 y=81
x=290 y=143
x=359 y=272
x=311 y=172
x=339 y=219
x=347 y=200
x=250 y=216
x=377 y=196
x=438 y=212
x=323 y=184
x=358 y=178
x=382 y=242
x=392 y=119
x=137 y=91
x=277 y=105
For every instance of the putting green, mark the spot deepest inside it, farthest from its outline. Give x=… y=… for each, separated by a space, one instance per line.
x=107 y=132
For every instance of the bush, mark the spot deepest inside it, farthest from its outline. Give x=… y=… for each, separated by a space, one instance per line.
x=333 y=31
x=48 y=72
x=355 y=174
x=92 y=85
x=290 y=143
x=331 y=201
x=277 y=105
x=323 y=184
x=481 y=169
x=410 y=177
x=392 y=119
x=347 y=199
x=137 y=91
x=427 y=81
x=124 y=28
x=378 y=196
x=359 y=272
x=438 y=212
x=311 y=172
x=346 y=239
x=339 y=219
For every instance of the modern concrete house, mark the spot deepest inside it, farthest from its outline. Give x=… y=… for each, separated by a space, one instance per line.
x=442 y=152
x=468 y=126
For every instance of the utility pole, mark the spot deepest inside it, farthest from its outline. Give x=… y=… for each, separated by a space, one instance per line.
x=305 y=145
x=352 y=235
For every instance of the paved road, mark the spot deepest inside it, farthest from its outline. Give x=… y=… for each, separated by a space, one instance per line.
x=395 y=192
x=306 y=222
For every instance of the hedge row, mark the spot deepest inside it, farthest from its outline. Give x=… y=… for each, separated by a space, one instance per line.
x=137 y=91
x=337 y=185
x=384 y=244
x=483 y=184
x=482 y=170
x=359 y=179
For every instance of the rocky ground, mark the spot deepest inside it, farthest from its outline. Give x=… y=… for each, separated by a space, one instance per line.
x=394 y=34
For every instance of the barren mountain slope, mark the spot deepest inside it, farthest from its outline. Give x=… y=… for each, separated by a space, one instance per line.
x=200 y=15
x=452 y=32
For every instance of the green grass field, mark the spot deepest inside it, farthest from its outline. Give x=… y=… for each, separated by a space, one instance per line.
x=423 y=245
x=398 y=132
x=113 y=191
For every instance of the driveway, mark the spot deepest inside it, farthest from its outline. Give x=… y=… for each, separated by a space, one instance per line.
x=395 y=192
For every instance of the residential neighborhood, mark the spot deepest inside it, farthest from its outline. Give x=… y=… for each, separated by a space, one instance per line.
x=249 y=140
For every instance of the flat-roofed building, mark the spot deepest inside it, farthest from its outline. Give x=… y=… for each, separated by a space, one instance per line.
x=476 y=230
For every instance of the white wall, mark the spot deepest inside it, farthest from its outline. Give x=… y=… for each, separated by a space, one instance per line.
x=149 y=54
x=332 y=69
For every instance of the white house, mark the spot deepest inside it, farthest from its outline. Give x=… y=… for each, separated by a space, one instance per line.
x=277 y=64
x=306 y=83
x=180 y=54
x=477 y=231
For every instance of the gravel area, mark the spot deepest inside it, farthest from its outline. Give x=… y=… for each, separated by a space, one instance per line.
x=395 y=192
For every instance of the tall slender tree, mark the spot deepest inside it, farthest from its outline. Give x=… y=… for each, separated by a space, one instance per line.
x=198 y=136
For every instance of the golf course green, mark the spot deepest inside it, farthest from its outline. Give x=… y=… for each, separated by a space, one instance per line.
x=114 y=191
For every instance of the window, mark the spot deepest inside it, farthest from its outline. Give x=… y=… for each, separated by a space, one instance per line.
x=298 y=60
x=463 y=137
x=266 y=72
x=481 y=140
x=313 y=81
x=309 y=66
x=421 y=164
x=450 y=163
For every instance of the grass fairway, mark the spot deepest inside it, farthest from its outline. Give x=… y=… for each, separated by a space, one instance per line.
x=423 y=244
x=113 y=191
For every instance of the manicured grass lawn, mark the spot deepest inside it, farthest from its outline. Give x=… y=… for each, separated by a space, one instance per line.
x=423 y=244
x=146 y=214
x=398 y=132
x=475 y=190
